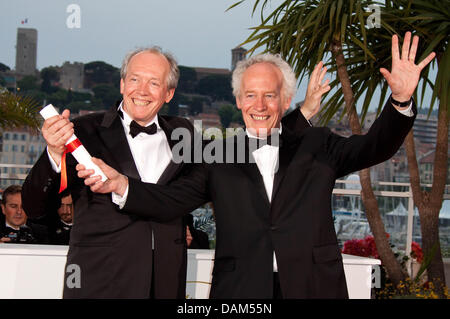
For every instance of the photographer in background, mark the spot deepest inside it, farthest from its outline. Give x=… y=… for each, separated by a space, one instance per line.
x=61 y=222
x=16 y=229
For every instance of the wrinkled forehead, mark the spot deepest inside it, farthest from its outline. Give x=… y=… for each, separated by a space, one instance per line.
x=262 y=72
x=148 y=60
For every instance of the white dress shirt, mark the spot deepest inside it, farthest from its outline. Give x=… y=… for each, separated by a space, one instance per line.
x=11 y=226
x=151 y=153
x=266 y=158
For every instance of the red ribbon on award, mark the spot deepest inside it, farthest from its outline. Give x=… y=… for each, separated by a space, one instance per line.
x=70 y=147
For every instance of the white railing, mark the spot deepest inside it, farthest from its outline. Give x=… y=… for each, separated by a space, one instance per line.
x=350 y=188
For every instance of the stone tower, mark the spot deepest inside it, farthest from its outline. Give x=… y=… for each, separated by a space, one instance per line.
x=237 y=54
x=26 y=51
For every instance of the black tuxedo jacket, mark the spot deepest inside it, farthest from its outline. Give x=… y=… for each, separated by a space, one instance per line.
x=113 y=250
x=38 y=234
x=59 y=233
x=297 y=224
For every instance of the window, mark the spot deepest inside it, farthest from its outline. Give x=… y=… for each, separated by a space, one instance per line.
x=14 y=148
x=15 y=137
x=6 y=136
x=24 y=137
x=22 y=148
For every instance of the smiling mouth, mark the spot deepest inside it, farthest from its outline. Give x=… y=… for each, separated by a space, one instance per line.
x=140 y=102
x=260 y=117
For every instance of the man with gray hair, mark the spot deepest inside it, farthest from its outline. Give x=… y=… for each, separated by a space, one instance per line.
x=121 y=256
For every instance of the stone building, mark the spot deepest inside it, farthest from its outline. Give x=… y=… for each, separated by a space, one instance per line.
x=72 y=76
x=26 y=51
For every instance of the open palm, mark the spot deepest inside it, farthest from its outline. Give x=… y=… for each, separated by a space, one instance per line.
x=404 y=76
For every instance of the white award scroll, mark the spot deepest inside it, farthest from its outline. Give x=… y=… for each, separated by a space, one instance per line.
x=80 y=153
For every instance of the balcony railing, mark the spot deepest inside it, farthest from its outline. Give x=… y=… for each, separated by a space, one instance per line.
x=395 y=204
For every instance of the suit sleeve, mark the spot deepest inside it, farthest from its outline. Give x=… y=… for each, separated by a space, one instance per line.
x=295 y=121
x=40 y=187
x=164 y=203
x=381 y=142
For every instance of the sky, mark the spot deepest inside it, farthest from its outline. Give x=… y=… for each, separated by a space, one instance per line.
x=199 y=33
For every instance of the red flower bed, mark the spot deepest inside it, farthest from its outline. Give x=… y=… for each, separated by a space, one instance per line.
x=416 y=252
x=361 y=247
x=366 y=248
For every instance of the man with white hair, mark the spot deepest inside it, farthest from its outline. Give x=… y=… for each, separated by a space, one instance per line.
x=275 y=234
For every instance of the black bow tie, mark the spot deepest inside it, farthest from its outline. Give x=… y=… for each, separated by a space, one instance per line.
x=9 y=230
x=135 y=129
x=256 y=143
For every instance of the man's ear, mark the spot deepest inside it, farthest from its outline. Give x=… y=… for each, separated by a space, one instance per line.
x=3 y=209
x=121 y=86
x=238 y=103
x=169 y=95
x=287 y=105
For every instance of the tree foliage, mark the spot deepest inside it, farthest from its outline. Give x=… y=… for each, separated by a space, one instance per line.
x=48 y=75
x=99 y=72
x=28 y=83
x=4 y=67
x=188 y=79
x=17 y=111
x=303 y=32
x=218 y=87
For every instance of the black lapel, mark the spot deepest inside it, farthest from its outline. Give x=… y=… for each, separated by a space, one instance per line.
x=251 y=169
x=173 y=168
x=113 y=135
x=286 y=153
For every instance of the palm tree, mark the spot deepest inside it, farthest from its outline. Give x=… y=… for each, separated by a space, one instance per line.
x=431 y=19
x=17 y=111
x=306 y=32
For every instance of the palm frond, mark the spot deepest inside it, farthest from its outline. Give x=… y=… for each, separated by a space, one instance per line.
x=17 y=111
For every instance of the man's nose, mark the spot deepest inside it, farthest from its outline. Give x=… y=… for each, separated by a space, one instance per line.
x=260 y=103
x=143 y=88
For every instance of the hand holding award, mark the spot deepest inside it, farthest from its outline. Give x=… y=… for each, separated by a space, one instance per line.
x=75 y=147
